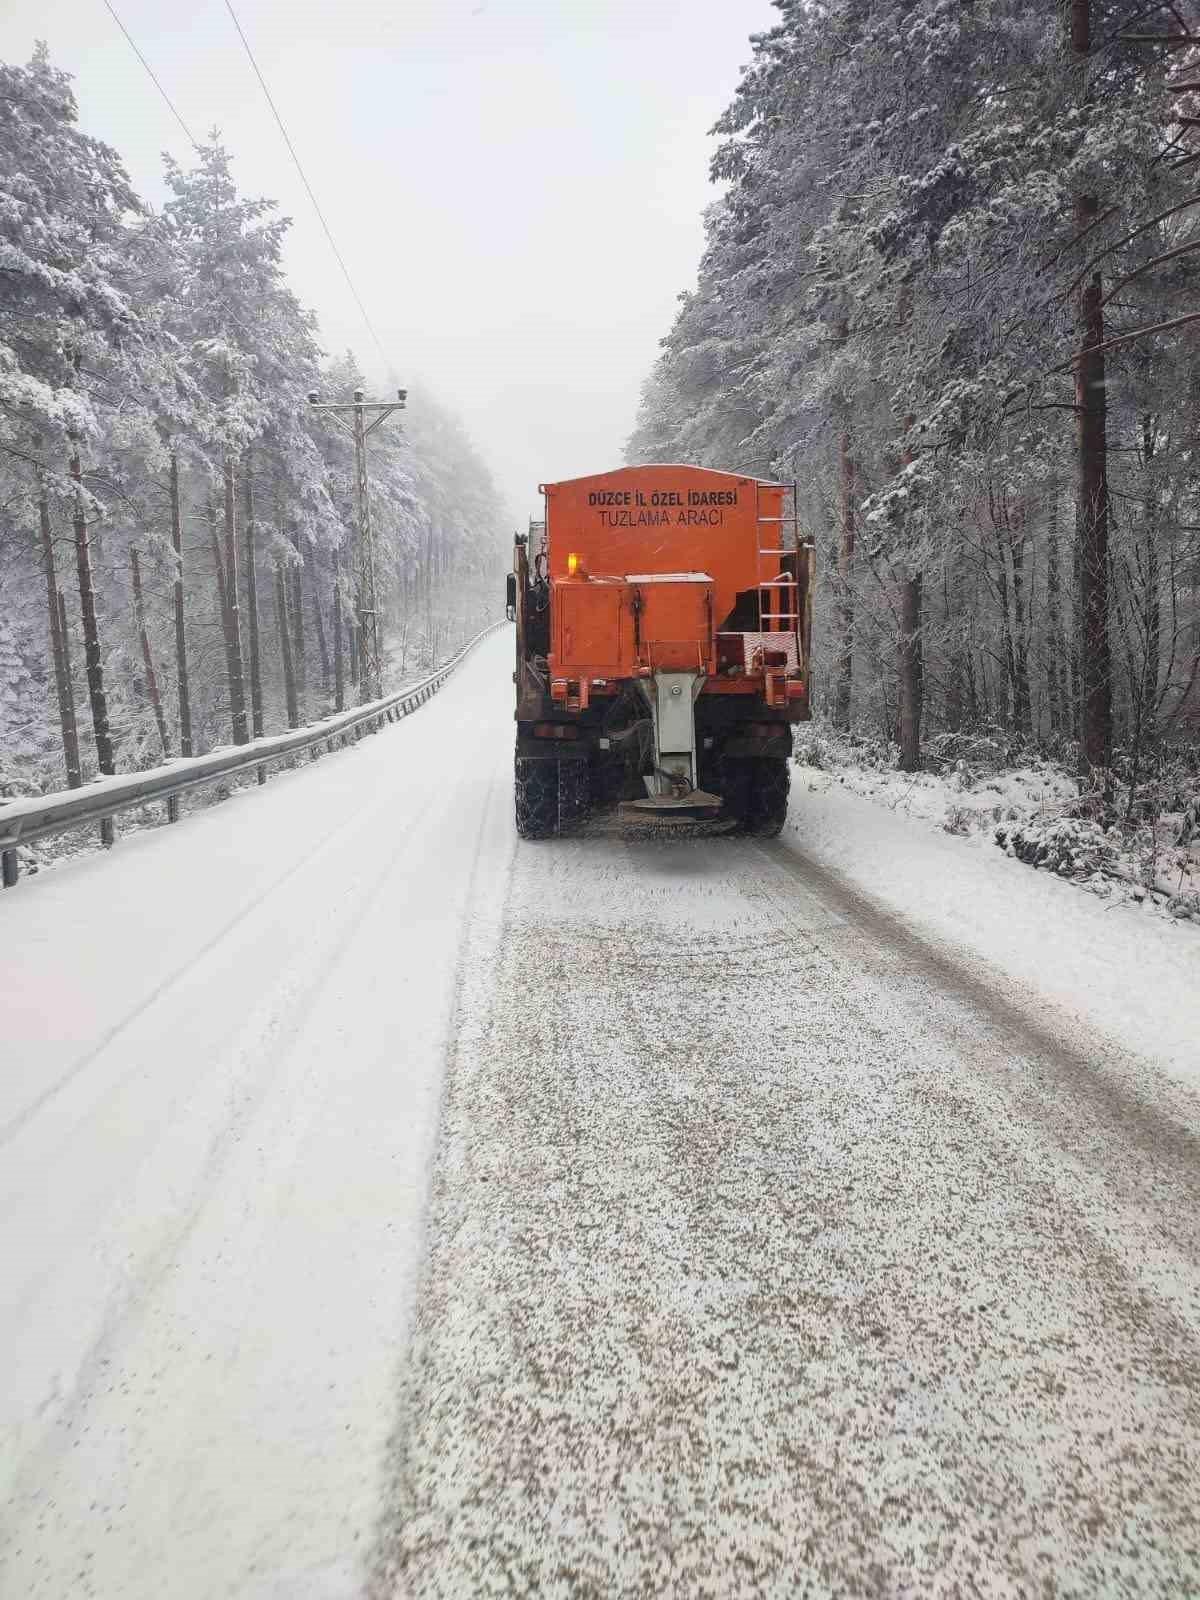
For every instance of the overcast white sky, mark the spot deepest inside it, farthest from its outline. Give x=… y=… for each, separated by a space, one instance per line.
x=516 y=185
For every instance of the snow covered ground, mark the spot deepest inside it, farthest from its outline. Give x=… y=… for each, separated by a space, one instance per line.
x=1084 y=961
x=1143 y=864
x=807 y=1217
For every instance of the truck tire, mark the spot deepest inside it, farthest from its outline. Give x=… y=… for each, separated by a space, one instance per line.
x=607 y=779
x=767 y=797
x=574 y=793
x=733 y=785
x=535 y=793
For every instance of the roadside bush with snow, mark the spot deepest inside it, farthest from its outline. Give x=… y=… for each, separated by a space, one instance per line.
x=972 y=782
x=1071 y=847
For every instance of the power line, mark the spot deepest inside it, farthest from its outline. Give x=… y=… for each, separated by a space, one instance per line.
x=308 y=186
x=153 y=79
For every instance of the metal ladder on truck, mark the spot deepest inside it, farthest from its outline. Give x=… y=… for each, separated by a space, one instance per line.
x=778 y=597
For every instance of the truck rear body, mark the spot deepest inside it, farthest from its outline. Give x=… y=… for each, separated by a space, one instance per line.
x=663 y=620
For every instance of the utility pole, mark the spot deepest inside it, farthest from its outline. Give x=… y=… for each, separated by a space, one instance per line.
x=370 y=677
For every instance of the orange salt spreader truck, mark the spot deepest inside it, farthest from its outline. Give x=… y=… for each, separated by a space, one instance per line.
x=663 y=618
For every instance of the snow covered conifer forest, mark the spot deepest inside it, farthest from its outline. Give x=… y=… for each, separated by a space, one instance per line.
x=951 y=285
x=176 y=522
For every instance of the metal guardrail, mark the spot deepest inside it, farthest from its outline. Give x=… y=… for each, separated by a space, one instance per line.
x=23 y=821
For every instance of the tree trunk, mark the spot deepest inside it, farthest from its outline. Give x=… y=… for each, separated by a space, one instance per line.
x=251 y=535
x=1092 y=526
x=429 y=551
x=910 y=688
x=1022 y=699
x=314 y=595
x=1092 y=476
x=139 y=612
x=353 y=640
x=219 y=569
x=952 y=613
x=1152 y=598
x=845 y=609
x=233 y=631
x=1056 y=686
x=292 y=580
x=71 y=730
x=285 y=649
x=299 y=650
x=181 y=662
x=910 y=673
x=58 y=646
x=971 y=685
x=1000 y=530
x=91 y=633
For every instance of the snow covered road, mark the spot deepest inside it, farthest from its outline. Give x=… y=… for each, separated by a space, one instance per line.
x=224 y=1053
x=779 y=1250
x=777 y=1244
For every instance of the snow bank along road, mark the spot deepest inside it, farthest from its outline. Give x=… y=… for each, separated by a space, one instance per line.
x=774 y=1247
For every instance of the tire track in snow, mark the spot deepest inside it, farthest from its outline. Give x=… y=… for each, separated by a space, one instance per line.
x=334 y=839
x=485 y=929
x=1080 y=1089
x=240 y=1082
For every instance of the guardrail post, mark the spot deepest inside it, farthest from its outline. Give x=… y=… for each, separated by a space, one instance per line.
x=108 y=832
x=10 y=868
x=172 y=808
